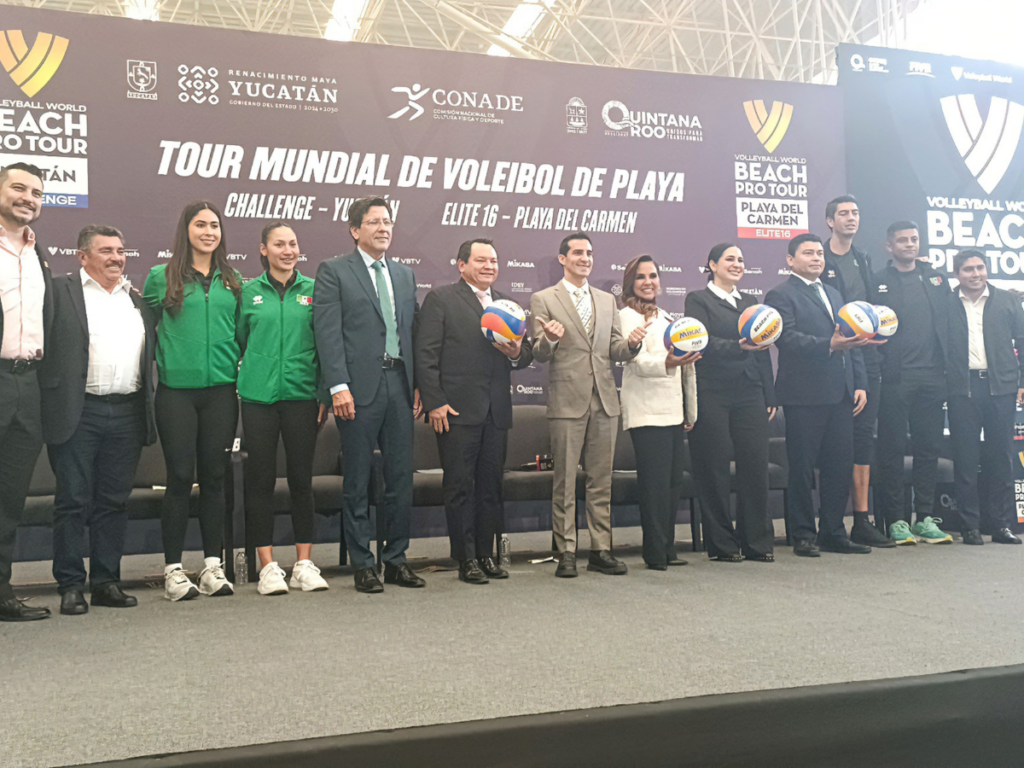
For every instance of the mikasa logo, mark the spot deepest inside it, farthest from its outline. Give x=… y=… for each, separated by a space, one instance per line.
x=988 y=146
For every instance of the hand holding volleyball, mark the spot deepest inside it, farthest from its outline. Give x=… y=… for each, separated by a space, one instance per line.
x=760 y=326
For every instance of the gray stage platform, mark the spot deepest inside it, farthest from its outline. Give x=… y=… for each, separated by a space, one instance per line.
x=248 y=669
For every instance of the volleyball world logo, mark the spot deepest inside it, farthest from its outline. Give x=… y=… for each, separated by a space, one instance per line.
x=31 y=68
x=986 y=146
x=770 y=126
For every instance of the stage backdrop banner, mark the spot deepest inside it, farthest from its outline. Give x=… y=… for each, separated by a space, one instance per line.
x=936 y=139
x=131 y=120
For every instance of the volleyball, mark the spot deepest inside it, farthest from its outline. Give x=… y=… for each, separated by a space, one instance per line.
x=760 y=325
x=887 y=321
x=686 y=335
x=503 y=321
x=858 y=320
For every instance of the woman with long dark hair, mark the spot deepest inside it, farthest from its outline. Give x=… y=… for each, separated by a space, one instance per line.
x=277 y=383
x=195 y=297
x=659 y=406
x=737 y=400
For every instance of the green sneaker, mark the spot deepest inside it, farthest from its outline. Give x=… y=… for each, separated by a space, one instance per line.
x=900 y=533
x=929 y=531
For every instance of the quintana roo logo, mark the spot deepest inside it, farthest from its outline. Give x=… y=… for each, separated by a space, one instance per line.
x=770 y=127
x=988 y=146
x=31 y=68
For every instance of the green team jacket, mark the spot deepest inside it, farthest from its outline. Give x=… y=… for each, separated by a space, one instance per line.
x=280 y=361
x=197 y=345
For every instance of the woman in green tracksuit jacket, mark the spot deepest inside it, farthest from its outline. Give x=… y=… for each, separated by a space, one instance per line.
x=196 y=299
x=277 y=383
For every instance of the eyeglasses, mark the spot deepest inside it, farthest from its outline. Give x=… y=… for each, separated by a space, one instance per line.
x=374 y=223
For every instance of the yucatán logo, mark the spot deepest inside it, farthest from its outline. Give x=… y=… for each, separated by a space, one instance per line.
x=769 y=126
x=987 y=146
x=31 y=68
x=142 y=79
x=620 y=121
x=198 y=84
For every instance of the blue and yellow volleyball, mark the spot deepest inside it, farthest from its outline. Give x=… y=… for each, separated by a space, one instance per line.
x=887 y=320
x=857 y=320
x=685 y=335
x=503 y=321
x=760 y=325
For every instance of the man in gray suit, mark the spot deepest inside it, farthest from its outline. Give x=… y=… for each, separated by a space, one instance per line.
x=364 y=307
x=576 y=329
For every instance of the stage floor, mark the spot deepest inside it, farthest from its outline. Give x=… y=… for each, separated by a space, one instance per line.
x=209 y=673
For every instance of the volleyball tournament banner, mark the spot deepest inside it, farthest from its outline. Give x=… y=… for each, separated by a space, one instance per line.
x=269 y=126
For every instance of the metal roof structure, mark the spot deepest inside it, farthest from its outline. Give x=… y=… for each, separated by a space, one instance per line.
x=791 y=40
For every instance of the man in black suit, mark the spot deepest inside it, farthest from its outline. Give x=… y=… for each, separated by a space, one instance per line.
x=26 y=310
x=97 y=394
x=821 y=386
x=364 y=308
x=465 y=382
x=985 y=374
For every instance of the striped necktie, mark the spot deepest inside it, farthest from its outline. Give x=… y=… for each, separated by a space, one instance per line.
x=583 y=308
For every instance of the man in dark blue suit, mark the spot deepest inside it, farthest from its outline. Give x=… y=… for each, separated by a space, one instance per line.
x=364 y=308
x=821 y=385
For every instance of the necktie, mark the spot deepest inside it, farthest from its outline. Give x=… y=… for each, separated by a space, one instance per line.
x=583 y=307
x=820 y=293
x=388 y=310
x=482 y=295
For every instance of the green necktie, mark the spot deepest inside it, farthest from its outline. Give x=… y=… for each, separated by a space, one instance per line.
x=391 y=342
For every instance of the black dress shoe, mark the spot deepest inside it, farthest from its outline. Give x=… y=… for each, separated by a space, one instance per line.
x=12 y=609
x=72 y=603
x=402 y=576
x=367 y=581
x=492 y=569
x=1004 y=536
x=734 y=557
x=973 y=538
x=806 y=548
x=603 y=561
x=675 y=561
x=867 y=534
x=758 y=557
x=469 y=572
x=566 y=566
x=842 y=546
x=110 y=595
x=657 y=566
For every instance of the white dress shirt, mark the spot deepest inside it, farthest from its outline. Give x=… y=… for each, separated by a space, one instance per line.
x=117 y=336
x=822 y=293
x=22 y=290
x=977 y=360
x=732 y=298
x=585 y=288
x=369 y=261
x=487 y=299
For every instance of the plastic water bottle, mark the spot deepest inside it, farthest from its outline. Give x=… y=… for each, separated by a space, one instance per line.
x=505 y=551
x=241 y=568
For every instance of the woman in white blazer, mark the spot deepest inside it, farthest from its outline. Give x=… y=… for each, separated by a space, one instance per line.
x=659 y=406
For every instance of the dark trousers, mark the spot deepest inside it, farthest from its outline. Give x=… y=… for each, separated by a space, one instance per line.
x=196 y=429
x=819 y=436
x=387 y=421
x=968 y=415
x=473 y=459
x=660 y=461
x=95 y=470
x=915 y=403
x=733 y=424
x=294 y=422
x=864 y=425
x=21 y=440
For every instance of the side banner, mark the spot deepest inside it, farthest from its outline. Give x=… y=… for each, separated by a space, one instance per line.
x=131 y=120
x=936 y=139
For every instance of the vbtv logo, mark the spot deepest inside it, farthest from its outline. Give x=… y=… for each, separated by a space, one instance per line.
x=770 y=127
x=986 y=146
x=31 y=68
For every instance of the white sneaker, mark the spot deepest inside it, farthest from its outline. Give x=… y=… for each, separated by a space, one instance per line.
x=178 y=586
x=214 y=583
x=272 y=580
x=307 y=576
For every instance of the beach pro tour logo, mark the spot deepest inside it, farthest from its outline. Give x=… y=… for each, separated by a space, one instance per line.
x=31 y=68
x=198 y=84
x=770 y=126
x=987 y=146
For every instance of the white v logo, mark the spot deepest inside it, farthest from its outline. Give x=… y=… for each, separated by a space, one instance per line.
x=987 y=147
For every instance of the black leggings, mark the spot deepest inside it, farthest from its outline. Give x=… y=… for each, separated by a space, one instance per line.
x=196 y=428
x=295 y=422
